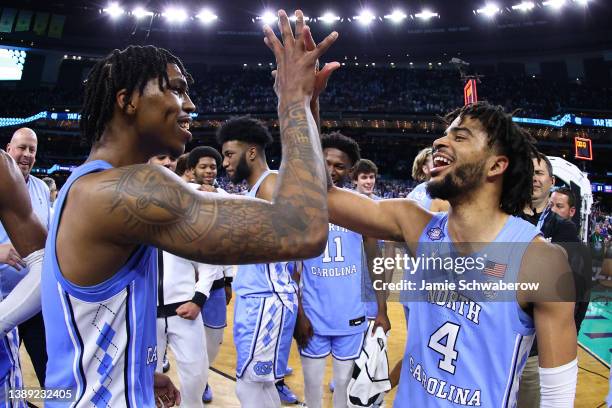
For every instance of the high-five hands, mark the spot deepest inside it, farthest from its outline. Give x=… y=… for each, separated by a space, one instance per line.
x=296 y=59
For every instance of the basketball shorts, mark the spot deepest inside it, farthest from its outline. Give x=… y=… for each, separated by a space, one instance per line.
x=10 y=372
x=214 y=311
x=345 y=347
x=263 y=331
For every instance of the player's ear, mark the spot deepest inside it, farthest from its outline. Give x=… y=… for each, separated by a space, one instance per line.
x=498 y=165
x=126 y=102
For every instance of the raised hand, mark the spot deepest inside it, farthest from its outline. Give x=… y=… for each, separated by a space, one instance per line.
x=295 y=77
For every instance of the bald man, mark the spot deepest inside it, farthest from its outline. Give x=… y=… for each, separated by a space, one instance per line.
x=22 y=148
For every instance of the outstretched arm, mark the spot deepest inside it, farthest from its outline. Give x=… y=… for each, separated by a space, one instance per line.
x=26 y=232
x=149 y=204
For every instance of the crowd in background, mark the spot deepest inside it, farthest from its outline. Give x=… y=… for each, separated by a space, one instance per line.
x=355 y=89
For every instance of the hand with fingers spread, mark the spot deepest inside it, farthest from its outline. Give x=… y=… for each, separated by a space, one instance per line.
x=296 y=57
x=166 y=394
x=9 y=255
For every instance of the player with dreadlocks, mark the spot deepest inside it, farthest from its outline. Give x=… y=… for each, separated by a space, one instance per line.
x=464 y=348
x=99 y=280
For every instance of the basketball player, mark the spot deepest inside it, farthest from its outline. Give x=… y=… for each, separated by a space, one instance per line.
x=266 y=298
x=23 y=148
x=99 y=285
x=332 y=314
x=467 y=352
x=421 y=168
x=203 y=162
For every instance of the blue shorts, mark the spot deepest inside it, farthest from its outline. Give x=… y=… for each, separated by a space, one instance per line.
x=263 y=331
x=214 y=311
x=345 y=347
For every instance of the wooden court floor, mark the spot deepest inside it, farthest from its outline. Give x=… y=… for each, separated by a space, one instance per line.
x=592 y=376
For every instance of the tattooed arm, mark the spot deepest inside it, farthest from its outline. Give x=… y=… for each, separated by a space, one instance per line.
x=148 y=204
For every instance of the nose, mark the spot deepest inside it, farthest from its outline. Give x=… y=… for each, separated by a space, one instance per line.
x=225 y=162
x=188 y=105
x=440 y=142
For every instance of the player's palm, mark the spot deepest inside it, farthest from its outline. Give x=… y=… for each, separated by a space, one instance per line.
x=166 y=394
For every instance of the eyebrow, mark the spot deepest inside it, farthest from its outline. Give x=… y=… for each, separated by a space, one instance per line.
x=459 y=129
x=178 y=82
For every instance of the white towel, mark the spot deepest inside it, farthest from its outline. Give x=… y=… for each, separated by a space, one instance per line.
x=370 y=379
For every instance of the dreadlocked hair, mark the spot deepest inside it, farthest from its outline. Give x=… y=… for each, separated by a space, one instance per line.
x=128 y=69
x=508 y=139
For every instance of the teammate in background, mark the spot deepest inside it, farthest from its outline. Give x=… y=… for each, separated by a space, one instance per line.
x=483 y=167
x=329 y=323
x=23 y=148
x=117 y=210
x=266 y=299
x=421 y=168
x=27 y=236
x=203 y=162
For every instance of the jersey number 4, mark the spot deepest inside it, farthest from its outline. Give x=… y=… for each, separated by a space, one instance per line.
x=443 y=341
x=338 y=257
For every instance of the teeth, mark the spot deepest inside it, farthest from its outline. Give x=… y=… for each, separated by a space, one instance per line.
x=442 y=161
x=184 y=125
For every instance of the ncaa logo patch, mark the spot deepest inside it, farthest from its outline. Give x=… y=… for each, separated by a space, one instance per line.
x=263 y=367
x=435 y=234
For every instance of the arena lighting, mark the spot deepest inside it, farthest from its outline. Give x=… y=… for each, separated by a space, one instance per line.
x=329 y=18
x=140 y=12
x=524 y=6
x=489 y=10
x=206 y=16
x=555 y=4
x=268 y=17
x=426 y=14
x=114 y=10
x=293 y=18
x=365 y=17
x=175 y=15
x=396 y=16
x=583 y=2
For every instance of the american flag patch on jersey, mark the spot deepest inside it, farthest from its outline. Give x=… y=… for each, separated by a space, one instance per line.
x=495 y=269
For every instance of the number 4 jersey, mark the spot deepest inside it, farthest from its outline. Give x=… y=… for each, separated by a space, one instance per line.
x=460 y=351
x=331 y=285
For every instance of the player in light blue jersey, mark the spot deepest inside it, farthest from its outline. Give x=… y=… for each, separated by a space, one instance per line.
x=266 y=298
x=332 y=317
x=461 y=351
x=99 y=284
x=27 y=237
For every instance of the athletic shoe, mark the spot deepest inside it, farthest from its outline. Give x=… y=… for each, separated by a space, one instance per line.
x=166 y=366
x=288 y=371
x=207 y=396
x=332 y=387
x=286 y=395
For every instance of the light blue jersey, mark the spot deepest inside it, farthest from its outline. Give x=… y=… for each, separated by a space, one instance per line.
x=263 y=280
x=332 y=285
x=101 y=340
x=462 y=352
x=419 y=194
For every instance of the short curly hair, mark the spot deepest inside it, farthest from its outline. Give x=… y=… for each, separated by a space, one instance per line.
x=337 y=140
x=244 y=129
